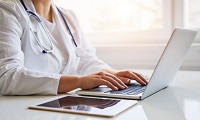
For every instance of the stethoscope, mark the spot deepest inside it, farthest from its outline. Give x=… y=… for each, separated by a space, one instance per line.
x=79 y=51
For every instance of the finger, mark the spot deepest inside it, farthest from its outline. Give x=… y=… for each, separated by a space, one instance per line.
x=116 y=79
x=141 y=77
x=106 y=83
x=104 y=73
x=132 y=75
x=114 y=82
x=124 y=80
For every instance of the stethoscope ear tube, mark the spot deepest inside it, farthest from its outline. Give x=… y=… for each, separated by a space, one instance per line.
x=44 y=51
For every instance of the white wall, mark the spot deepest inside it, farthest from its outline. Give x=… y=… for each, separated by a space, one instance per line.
x=144 y=56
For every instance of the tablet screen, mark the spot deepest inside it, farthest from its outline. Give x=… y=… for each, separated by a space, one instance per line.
x=86 y=105
x=80 y=103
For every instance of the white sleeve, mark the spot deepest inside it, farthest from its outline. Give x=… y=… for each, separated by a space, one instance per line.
x=15 y=79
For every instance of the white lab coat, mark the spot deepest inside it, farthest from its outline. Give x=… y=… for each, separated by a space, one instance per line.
x=24 y=69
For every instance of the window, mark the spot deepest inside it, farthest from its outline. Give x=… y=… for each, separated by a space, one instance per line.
x=122 y=21
x=120 y=15
x=192 y=14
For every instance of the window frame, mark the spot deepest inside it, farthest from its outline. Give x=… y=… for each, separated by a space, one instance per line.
x=180 y=16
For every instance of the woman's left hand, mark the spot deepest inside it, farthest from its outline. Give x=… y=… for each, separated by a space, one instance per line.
x=126 y=76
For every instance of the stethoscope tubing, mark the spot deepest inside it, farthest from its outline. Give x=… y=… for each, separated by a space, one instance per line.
x=66 y=24
x=44 y=50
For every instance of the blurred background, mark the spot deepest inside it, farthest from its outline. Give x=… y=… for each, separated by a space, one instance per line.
x=133 y=33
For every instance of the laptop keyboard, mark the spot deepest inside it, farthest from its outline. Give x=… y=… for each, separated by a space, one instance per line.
x=131 y=90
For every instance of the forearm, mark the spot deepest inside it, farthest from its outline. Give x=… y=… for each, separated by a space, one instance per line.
x=68 y=83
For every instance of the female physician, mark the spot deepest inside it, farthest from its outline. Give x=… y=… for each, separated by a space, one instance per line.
x=43 y=51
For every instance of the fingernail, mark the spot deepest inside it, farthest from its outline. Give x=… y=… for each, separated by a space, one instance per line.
x=128 y=81
x=123 y=87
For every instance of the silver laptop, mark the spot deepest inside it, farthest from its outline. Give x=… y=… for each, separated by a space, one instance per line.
x=165 y=70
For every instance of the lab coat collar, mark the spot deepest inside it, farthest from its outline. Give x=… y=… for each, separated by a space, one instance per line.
x=71 y=66
x=57 y=15
x=29 y=5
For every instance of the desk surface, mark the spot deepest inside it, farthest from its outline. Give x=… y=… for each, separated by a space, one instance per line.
x=180 y=101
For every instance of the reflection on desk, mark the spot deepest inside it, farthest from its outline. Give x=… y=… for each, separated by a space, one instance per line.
x=180 y=101
x=164 y=107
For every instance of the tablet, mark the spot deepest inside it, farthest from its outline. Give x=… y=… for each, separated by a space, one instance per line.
x=86 y=105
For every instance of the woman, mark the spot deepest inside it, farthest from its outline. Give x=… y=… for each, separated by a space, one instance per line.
x=43 y=51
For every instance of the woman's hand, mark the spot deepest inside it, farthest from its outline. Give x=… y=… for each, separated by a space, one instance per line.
x=68 y=83
x=101 y=78
x=108 y=77
x=127 y=75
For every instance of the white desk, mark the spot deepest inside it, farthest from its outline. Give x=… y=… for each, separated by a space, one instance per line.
x=180 y=101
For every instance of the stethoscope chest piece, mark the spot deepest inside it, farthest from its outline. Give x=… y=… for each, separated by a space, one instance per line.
x=80 y=52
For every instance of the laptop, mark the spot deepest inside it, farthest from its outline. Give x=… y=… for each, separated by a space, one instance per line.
x=164 y=72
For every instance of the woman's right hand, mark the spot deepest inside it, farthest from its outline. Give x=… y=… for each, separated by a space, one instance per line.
x=68 y=83
x=101 y=78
